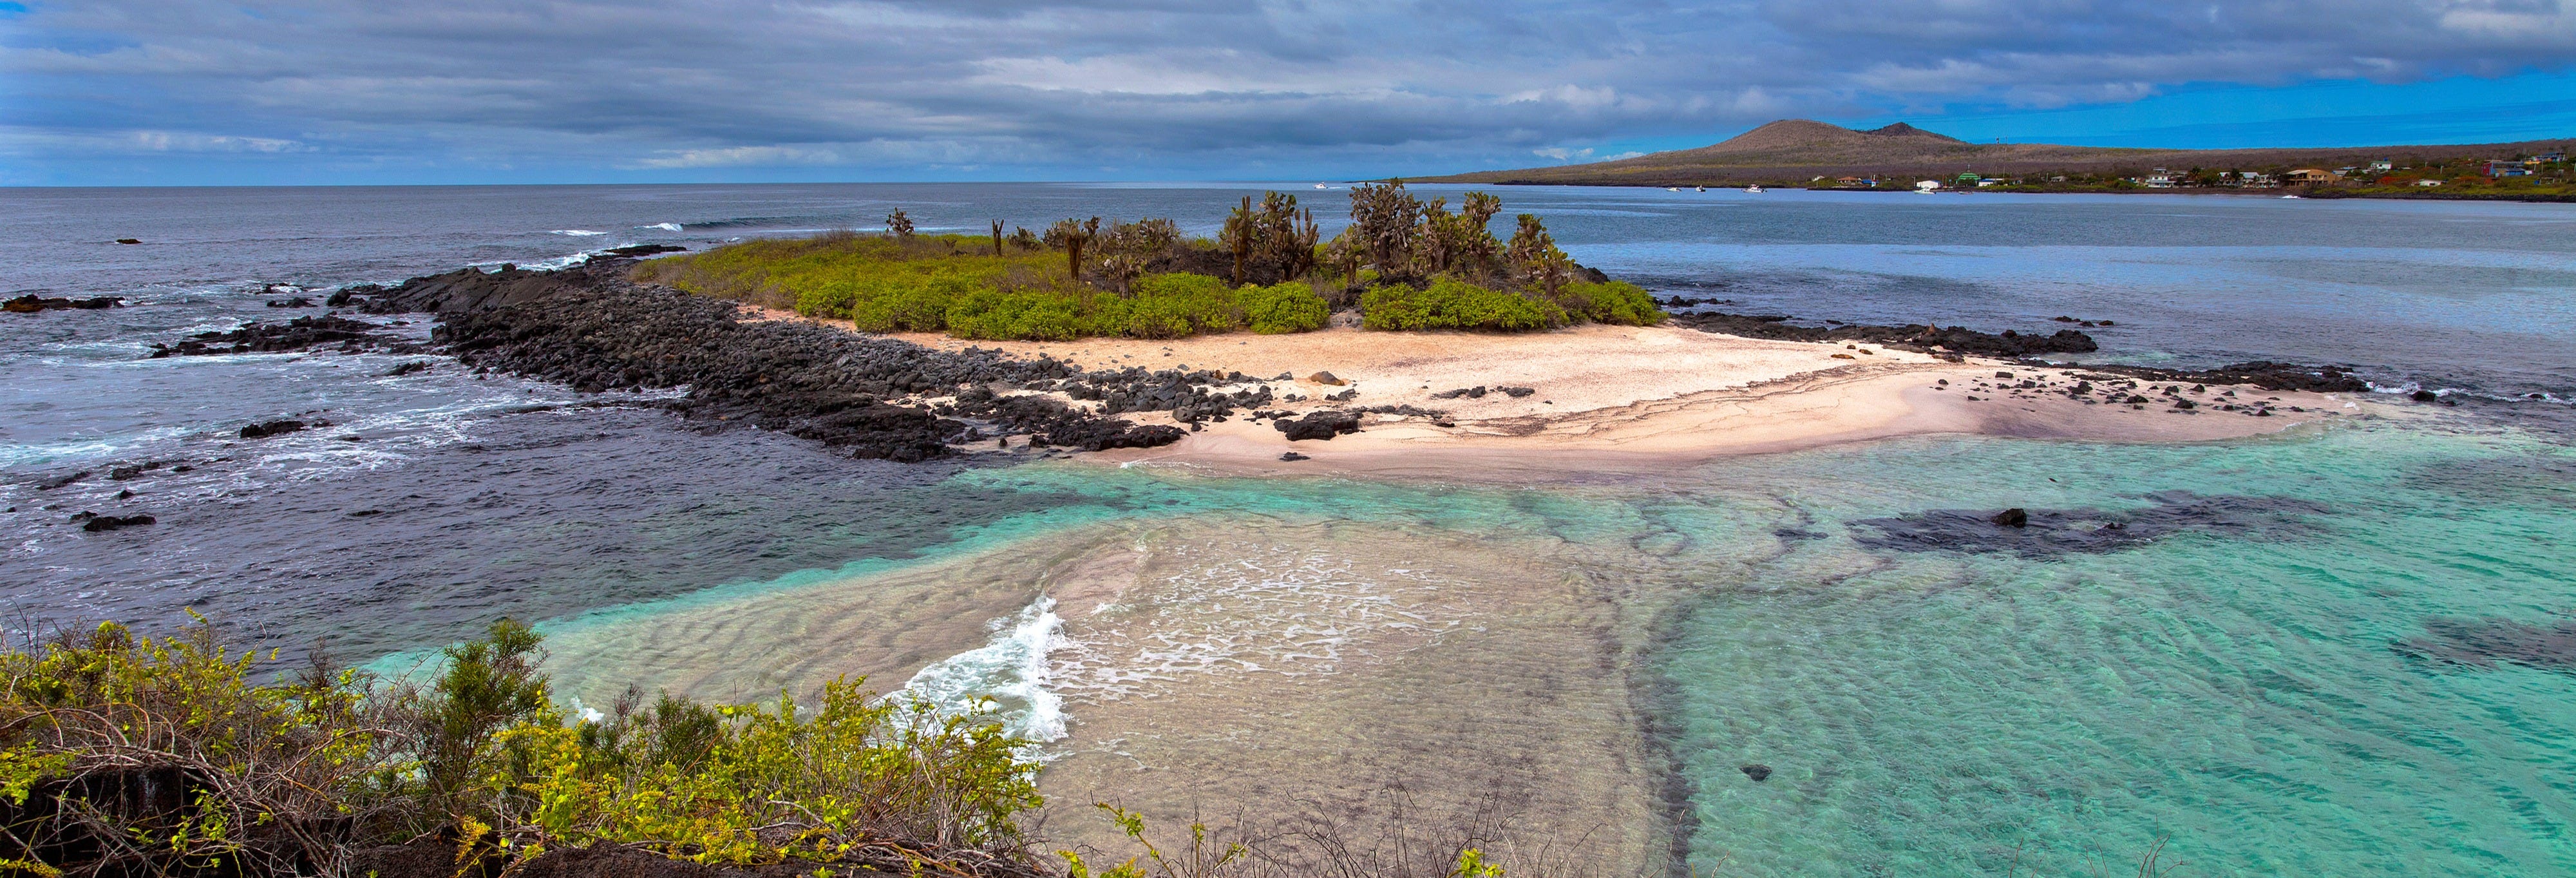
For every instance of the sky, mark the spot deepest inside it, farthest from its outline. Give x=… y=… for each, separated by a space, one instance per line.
x=186 y=92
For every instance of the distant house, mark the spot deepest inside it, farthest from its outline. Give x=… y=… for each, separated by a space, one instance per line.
x=2507 y=169
x=2547 y=158
x=2247 y=180
x=2312 y=175
x=1968 y=179
x=1852 y=181
x=1926 y=185
x=2428 y=182
x=2383 y=166
x=2160 y=179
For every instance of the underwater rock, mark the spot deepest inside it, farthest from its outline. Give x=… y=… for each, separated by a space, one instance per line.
x=2049 y=532
x=1757 y=771
x=2482 y=643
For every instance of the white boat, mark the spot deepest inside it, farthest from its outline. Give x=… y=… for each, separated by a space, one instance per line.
x=1322 y=186
x=1672 y=188
x=2289 y=196
x=1700 y=189
x=1755 y=189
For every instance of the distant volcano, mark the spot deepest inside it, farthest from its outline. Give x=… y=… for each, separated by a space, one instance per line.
x=1797 y=150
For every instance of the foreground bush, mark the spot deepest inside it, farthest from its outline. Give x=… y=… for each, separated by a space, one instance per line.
x=127 y=755
x=857 y=780
x=130 y=755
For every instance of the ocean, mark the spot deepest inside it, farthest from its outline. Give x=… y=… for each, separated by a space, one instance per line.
x=2340 y=650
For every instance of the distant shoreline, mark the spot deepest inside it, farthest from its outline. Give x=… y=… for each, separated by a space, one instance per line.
x=2320 y=194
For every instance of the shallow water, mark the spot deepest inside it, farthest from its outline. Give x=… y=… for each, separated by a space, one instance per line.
x=2232 y=686
x=2329 y=652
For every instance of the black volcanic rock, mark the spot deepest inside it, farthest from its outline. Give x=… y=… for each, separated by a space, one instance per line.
x=1914 y=337
x=32 y=303
x=1319 y=425
x=272 y=428
x=299 y=334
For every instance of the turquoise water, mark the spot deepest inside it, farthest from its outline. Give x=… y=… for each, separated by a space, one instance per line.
x=2236 y=697
x=2223 y=687
x=2230 y=690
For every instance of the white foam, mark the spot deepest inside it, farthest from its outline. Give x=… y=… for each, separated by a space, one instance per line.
x=1011 y=671
x=1276 y=610
x=584 y=233
x=667 y=227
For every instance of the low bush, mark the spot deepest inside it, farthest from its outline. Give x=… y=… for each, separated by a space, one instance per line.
x=134 y=756
x=1449 y=303
x=129 y=755
x=1617 y=302
x=1283 y=308
x=1021 y=314
x=855 y=779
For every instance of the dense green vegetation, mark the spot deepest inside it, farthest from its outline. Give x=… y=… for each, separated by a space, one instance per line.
x=1268 y=273
x=129 y=755
x=132 y=755
x=1449 y=303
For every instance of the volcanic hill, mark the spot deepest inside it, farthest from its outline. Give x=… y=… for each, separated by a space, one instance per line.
x=1799 y=150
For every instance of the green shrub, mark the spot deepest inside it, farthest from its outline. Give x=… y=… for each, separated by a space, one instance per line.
x=855 y=779
x=1454 y=304
x=1283 y=308
x=910 y=307
x=1175 y=305
x=1025 y=314
x=1617 y=302
x=276 y=779
x=292 y=777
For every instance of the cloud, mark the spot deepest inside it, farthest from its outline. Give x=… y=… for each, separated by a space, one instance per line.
x=671 y=86
x=756 y=156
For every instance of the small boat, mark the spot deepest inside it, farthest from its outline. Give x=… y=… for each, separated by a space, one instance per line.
x=1700 y=189
x=1754 y=189
x=2289 y=196
x=1672 y=188
x=1322 y=186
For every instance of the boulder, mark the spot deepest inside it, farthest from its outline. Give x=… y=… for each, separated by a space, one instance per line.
x=1319 y=425
x=100 y=523
x=2014 y=517
x=271 y=428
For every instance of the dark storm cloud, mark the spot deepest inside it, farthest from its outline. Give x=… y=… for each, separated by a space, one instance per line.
x=695 y=83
